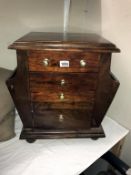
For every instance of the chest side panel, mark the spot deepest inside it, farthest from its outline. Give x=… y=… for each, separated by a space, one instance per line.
x=18 y=85
x=106 y=89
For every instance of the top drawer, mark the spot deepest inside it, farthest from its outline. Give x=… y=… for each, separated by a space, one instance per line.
x=63 y=61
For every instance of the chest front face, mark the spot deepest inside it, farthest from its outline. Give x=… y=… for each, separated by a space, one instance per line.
x=63 y=88
x=62 y=93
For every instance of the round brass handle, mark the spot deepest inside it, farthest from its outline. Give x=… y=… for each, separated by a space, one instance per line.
x=62 y=82
x=62 y=96
x=46 y=62
x=61 y=118
x=82 y=63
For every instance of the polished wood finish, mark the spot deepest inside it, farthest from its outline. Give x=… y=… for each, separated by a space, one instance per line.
x=18 y=86
x=62 y=102
x=68 y=41
x=71 y=119
x=94 y=132
x=36 y=61
x=50 y=81
x=106 y=89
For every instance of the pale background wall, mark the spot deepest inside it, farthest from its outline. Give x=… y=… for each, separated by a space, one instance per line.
x=17 y=17
x=85 y=16
x=116 y=26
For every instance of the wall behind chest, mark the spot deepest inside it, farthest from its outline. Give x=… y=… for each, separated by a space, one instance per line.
x=116 y=26
x=18 y=17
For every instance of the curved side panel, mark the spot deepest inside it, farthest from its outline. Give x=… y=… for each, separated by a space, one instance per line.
x=106 y=90
x=18 y=86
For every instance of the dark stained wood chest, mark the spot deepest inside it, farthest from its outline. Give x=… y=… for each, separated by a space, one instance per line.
x=62 y=87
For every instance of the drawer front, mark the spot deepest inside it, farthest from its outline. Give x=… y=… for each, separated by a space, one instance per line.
x=62 y=119
x=40 y=106
x=52 y=61
x=73 y=87
x=60 y=97
x=62 y=81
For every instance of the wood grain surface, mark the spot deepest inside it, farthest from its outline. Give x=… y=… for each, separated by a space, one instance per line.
x=36 y=61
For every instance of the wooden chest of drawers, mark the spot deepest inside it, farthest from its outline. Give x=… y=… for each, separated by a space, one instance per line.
x=62 y=86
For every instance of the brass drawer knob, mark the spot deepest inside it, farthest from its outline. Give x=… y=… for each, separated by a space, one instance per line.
x=62 y=82
x=82 y=63
x=62 y=96
x=46 y=62
x=61 y=118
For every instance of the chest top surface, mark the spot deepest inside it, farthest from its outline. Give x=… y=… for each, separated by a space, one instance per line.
x=48 y=40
